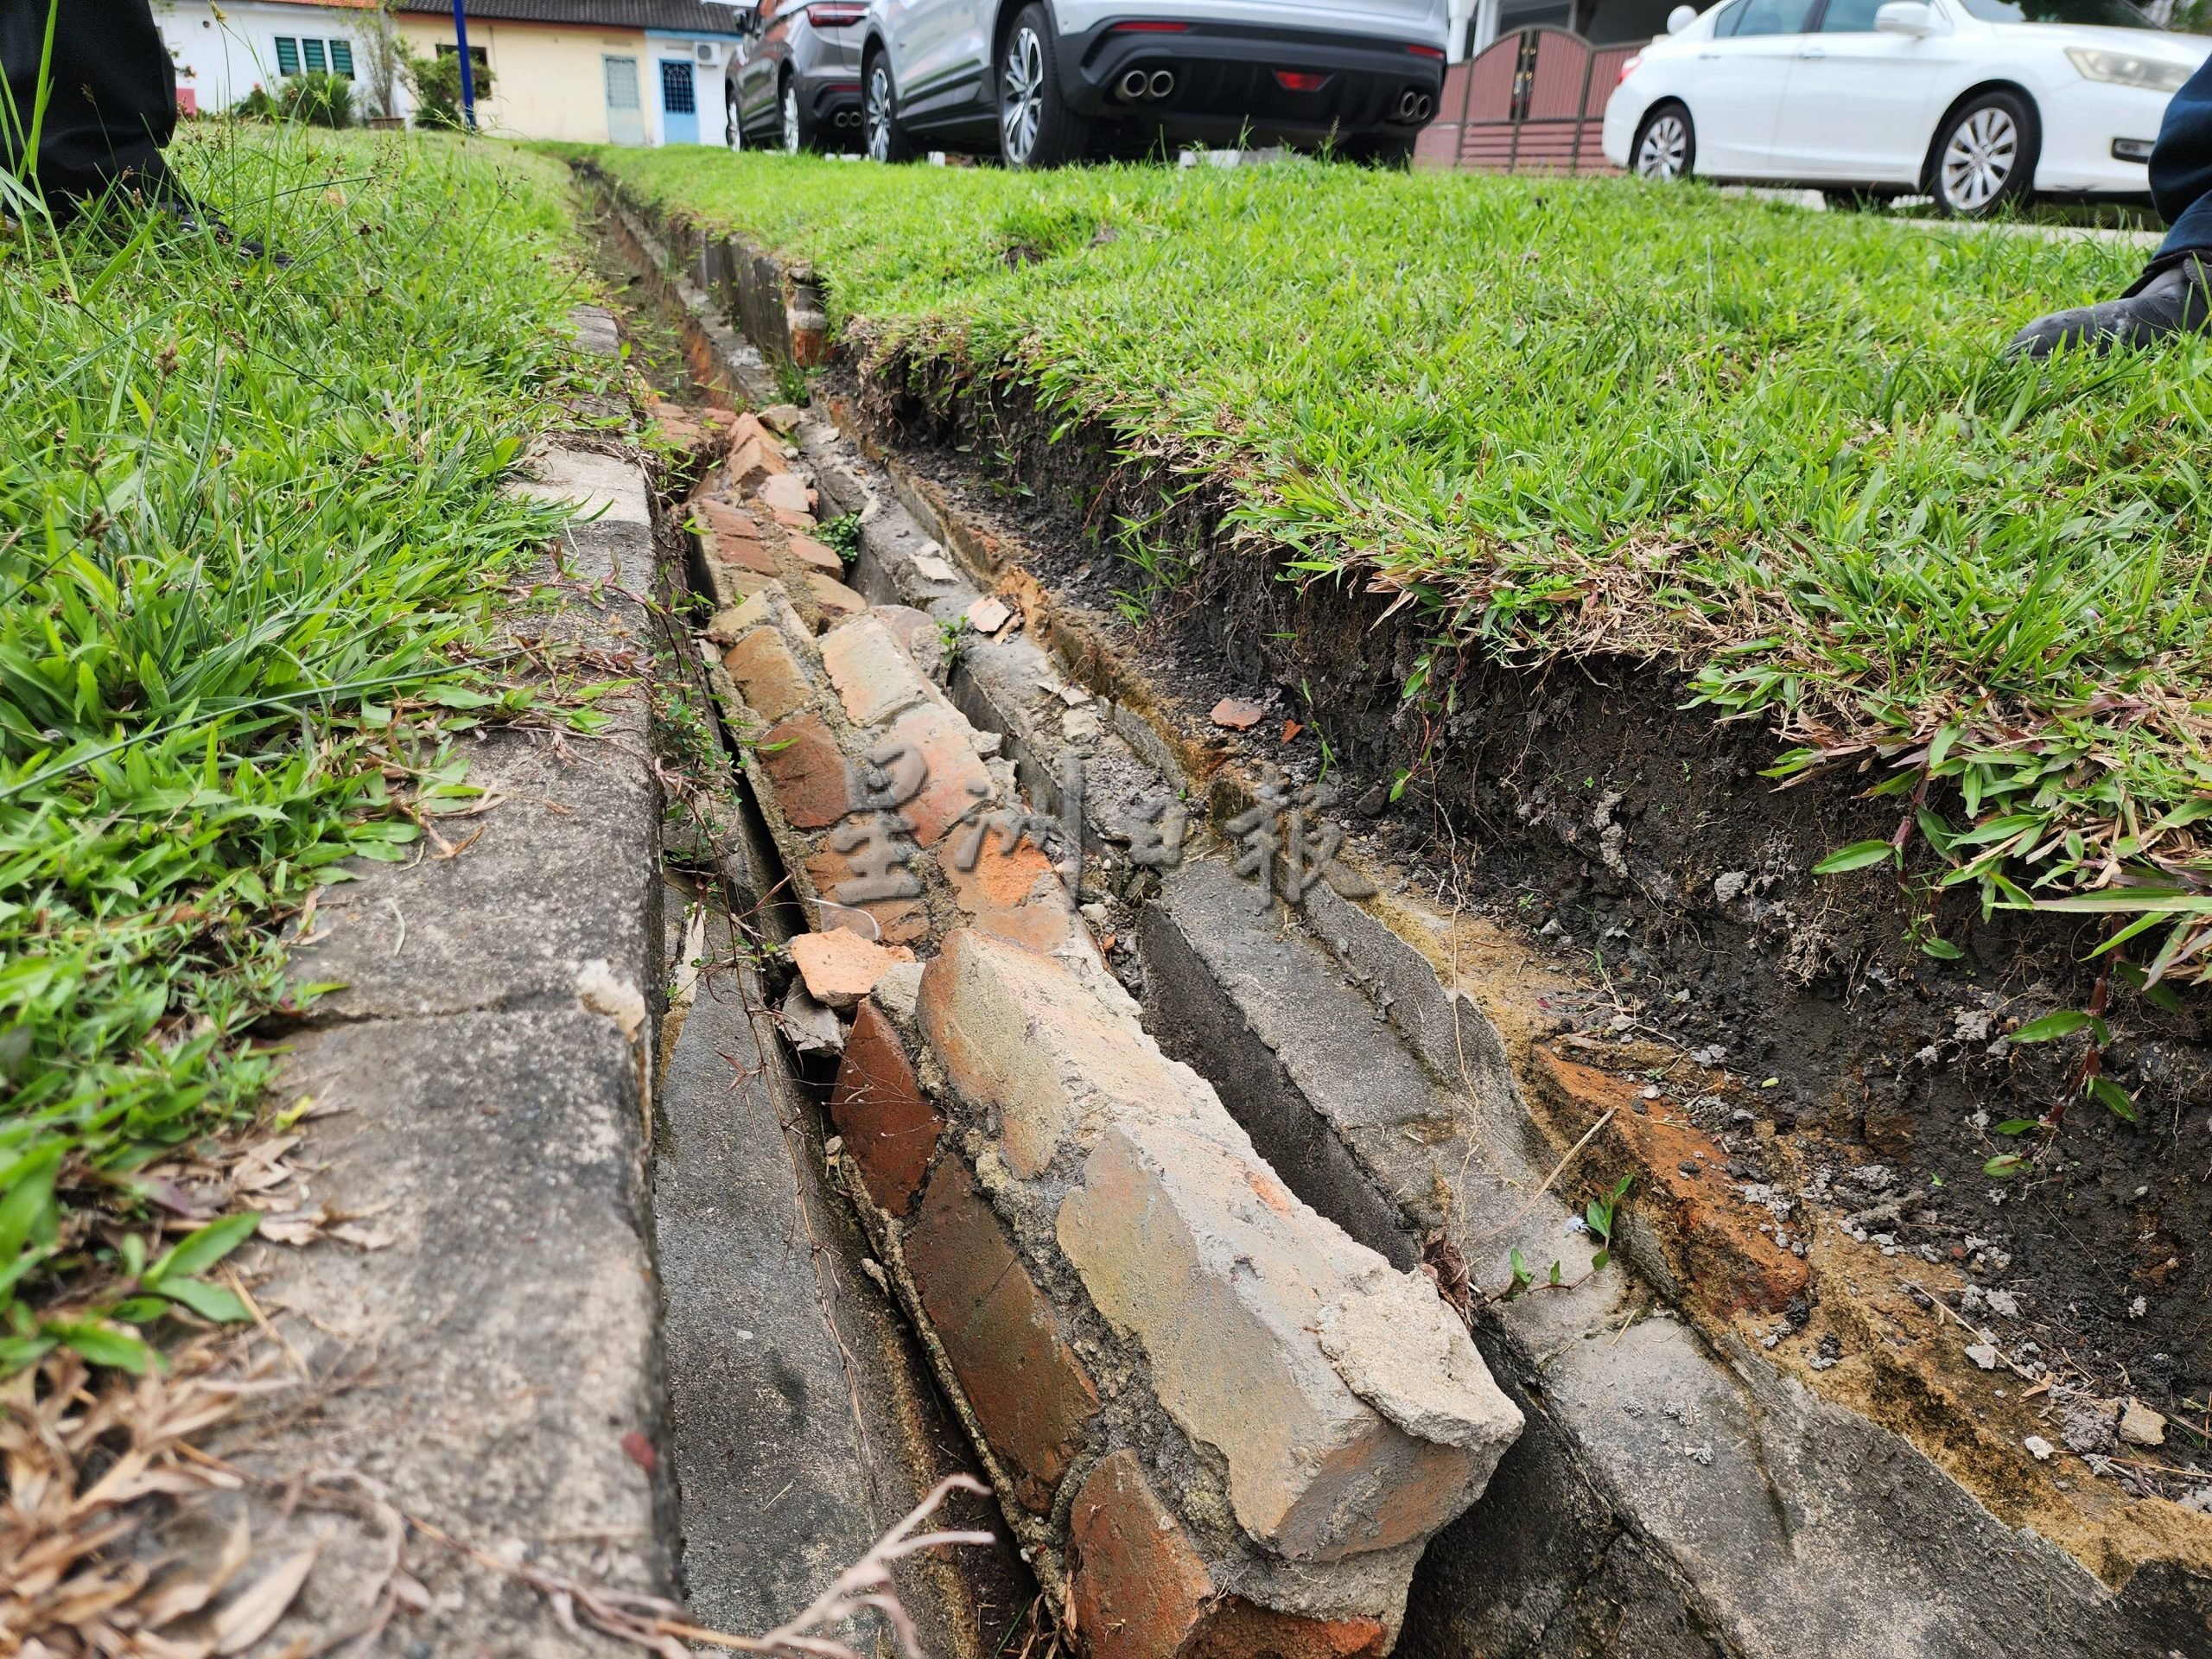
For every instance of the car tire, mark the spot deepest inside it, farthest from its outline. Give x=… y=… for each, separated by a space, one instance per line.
x=884 y=138
x=733 y=133
x=1984 y=158
x=798 y=131
x=1665 y=148
x=1036 y=127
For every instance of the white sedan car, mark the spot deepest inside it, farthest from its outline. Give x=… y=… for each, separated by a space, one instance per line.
x=1975 y=103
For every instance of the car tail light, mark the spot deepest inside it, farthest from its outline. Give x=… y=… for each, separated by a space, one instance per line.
x=1629 y=64
x=835 y=17
x=1436 y=52
x=1292 y=81
x=1149 y=29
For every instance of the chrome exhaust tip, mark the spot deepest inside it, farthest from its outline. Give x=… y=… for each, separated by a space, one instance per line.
x=1133 y=84
x=1408 y=103
x=1162 y=83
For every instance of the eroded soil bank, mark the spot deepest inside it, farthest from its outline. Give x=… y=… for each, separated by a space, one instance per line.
x=1633 y=840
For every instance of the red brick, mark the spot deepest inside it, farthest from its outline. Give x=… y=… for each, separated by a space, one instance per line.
x=955 y=776
x=751 y=557
x=915 y=630
x=889 y=1129
x=1235 y=1629
x=733 y=537
x=808 y=771
x=756 y=461
x=1030 y=1394
x=839 y=967
x=1139 y=1586
x=1141 y=1590
x=792 y=518
x=782 y=490
x=815 y=556
x=1043 y=926
x=833 y=596
x=727 y=519
x=874 y=677
x=891 y=921
x=767 y=674
x=1000 y=880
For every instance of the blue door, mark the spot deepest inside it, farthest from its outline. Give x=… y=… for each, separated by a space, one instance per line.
x=679 y=103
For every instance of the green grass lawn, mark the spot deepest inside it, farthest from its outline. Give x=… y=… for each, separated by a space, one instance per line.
x=251 y=529
x=1774 y=447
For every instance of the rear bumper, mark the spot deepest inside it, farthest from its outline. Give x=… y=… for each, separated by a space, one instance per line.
x=833 y=94
x=1225 y=81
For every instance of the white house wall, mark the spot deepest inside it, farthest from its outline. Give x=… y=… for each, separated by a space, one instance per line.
x=223 y=59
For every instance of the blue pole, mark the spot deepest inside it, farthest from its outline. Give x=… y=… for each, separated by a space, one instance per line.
x=467 y=69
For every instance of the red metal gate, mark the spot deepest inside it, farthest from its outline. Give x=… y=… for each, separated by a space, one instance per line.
x=1533 y=101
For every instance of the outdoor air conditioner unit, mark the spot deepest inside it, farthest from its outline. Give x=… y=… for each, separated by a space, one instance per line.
x=706 y=52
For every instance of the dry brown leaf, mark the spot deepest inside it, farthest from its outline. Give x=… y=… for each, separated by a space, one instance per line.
x=364 y=1238
x=255 y=1611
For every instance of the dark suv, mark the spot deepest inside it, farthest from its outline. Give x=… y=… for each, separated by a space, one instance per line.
x=794 y=81
x=1045 y=82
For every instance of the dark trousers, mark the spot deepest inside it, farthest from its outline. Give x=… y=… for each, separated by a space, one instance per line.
x=2181 y=166
x=111 y=104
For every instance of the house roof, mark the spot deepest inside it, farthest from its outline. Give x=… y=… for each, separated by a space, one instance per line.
x=687 y=16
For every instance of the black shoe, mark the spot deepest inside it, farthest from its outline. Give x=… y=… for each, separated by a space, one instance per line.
x=2173 y=296
x=194 y=220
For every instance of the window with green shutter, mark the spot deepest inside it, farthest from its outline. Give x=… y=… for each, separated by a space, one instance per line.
x=316 y=61
x=341 y=59
x=288 y=55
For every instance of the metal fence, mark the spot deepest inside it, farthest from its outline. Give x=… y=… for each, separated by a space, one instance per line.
x=1533 y=101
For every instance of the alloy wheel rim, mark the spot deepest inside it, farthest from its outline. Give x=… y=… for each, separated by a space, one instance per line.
x=1666 y=148
x=879 y=115
x=1979 y=161
x=1022 y=108
x=791 y=120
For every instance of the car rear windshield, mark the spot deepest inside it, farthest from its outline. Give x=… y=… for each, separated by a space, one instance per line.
x=2109 y=14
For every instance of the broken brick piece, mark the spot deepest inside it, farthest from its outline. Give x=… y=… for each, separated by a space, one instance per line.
x=839 y=967
x=890 y=1130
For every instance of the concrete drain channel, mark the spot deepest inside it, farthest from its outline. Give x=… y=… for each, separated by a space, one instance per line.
x=1188 y=1270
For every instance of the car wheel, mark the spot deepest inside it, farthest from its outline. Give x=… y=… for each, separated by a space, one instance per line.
x=1036 y=126
x=1666 y=145
x=734 y=131
x=1984 y=158
x=886 y=139
x=799 y=129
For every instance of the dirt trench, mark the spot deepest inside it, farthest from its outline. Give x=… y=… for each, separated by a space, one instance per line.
x=1619 y=856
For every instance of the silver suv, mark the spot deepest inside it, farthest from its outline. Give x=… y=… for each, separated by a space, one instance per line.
x=1042 y=83
x=794 y=81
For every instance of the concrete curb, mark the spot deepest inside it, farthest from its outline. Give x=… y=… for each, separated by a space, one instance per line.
x=485 y=1345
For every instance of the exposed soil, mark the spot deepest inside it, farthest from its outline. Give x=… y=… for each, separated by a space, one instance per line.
x=1633 y=842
